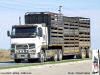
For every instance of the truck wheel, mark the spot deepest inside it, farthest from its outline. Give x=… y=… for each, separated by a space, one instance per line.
x=59 y=55
x=87 y=53
x=42 y=57
x=55 y=57
x=83 y=54
x=18 y=60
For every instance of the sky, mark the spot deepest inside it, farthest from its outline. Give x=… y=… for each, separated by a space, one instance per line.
x=10 y=10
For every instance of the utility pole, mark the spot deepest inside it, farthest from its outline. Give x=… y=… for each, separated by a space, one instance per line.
x=19 y=20
x=60 y=15
x=60 y=9
x=59 y=22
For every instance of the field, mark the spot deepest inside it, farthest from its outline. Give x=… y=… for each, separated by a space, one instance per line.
x=4 y=55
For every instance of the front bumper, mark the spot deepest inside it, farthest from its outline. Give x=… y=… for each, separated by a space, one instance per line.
x=25 y=56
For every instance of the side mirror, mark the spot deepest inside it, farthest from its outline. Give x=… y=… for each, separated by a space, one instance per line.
x=8 y=33
x=40 y=32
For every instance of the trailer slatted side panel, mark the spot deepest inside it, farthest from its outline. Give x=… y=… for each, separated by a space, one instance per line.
x=71 y=35
x=56 y=35
x=84 y=33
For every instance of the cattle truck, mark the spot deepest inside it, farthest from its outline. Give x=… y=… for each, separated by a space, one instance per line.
x=50 y=35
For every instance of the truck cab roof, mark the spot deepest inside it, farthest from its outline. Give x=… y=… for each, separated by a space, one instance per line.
x=27 y=25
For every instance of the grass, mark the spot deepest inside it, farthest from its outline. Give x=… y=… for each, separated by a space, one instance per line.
x=4 y=55
x=18 y=65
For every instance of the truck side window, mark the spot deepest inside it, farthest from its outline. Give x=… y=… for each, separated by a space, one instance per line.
x=40 y=32
x=13 y=31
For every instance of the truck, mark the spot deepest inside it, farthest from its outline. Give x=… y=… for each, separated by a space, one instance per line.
x=48 y=35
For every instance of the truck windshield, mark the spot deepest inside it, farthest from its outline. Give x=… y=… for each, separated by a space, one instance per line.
x=24 y=32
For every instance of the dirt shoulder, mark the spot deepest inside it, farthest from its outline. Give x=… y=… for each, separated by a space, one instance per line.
x=4 y=55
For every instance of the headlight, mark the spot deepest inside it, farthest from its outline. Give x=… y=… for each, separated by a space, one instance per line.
x=17 y=51
x=26 y=51
x=31 y=46
x=32 y=51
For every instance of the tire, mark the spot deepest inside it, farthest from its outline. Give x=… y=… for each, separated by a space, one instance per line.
x=42 y=57
x=55 y=57
x=17 y=60
x=87 y=53
x=82 y=54
x=60 y=55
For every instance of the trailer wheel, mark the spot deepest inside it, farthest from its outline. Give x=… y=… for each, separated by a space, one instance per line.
x=87 y=53
x=82 y=55
x=59 y=55
x=55 y=57
x=41 y=56
x=17 y=60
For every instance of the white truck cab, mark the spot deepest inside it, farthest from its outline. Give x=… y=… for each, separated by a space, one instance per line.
x=27 y=41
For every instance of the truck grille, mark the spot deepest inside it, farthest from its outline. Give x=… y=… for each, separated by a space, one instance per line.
x=21 y=46
x=25 y=48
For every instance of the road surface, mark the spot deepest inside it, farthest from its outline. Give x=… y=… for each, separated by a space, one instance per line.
x=69 y=68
